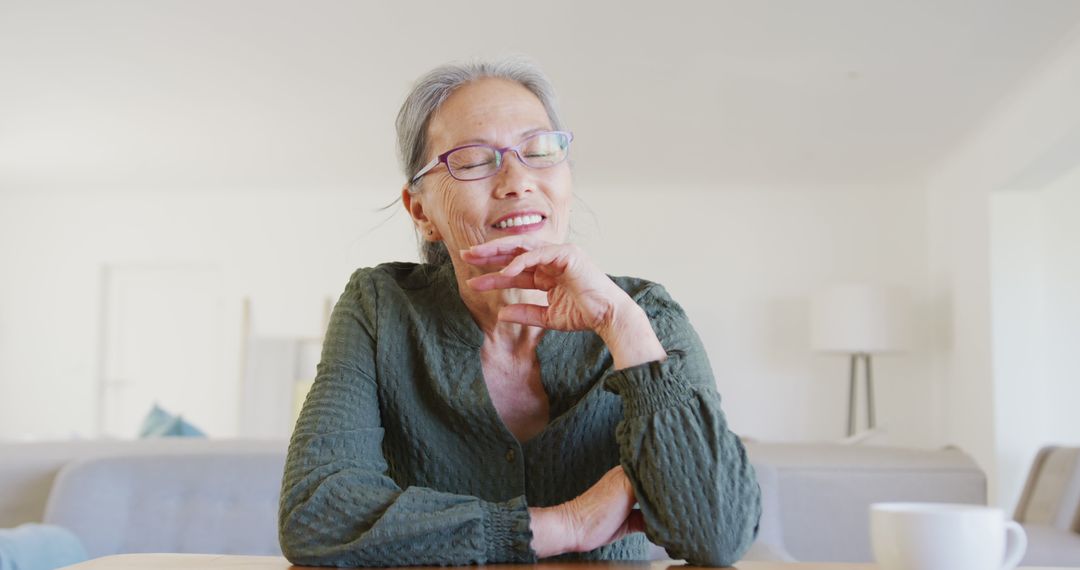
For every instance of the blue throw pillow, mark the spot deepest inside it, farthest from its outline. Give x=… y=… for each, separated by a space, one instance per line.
x=35 y=546
x=159 y=423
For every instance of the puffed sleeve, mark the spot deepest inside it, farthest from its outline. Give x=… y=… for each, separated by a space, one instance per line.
x=695 y=486
x=338 y=505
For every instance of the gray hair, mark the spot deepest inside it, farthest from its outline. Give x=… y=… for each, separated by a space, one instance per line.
x=432 y=90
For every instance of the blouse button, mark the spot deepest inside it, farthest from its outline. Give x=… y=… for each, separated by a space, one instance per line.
x=510 y=455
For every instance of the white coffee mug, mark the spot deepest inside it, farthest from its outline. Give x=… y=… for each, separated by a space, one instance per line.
x=944 y=536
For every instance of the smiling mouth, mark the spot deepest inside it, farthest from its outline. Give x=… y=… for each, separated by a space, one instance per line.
x=518 y=221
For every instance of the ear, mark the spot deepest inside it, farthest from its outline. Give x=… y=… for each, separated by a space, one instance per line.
x=414 y=205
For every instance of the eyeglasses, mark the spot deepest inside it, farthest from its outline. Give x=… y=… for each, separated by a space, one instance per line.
x=478 y=161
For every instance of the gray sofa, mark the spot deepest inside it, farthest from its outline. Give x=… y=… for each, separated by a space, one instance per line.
x=220 y=496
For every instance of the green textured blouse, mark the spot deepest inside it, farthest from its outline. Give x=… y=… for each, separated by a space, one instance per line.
x=400 y=458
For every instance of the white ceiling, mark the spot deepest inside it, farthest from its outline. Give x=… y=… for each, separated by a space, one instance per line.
x=256 y=93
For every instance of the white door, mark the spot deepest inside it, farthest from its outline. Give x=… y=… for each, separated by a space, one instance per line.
x=169 y=336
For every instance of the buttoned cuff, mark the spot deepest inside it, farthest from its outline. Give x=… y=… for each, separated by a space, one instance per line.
x=507 y=532
x=652 y=386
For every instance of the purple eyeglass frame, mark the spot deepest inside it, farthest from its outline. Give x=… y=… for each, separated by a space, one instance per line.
x=441 y=159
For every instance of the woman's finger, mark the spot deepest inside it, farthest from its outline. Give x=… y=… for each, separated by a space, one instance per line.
x=487 y=260
x=491 y=281
x=531 y=315
x=507 y=244
x=542 y=256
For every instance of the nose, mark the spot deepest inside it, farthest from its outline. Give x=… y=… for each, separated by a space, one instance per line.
x=514 y=179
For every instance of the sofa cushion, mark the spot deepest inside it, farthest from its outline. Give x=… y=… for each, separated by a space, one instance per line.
x=1051 y=546
x=194 y=503
x=28 y=470
x=825 y=491
x=769 y=544
x=1051 y=494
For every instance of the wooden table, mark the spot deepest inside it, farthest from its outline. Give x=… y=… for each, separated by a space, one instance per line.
x=227 y=562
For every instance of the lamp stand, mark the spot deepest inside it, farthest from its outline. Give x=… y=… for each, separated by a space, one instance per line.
x=855 y=358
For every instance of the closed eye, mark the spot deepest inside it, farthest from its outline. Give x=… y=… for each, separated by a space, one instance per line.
x=474 y=165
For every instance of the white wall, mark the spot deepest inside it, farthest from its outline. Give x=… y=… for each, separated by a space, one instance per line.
x=1062 y=234
x=1036 y=317
x=1018 y=306
x=257 y=137
x=744 y=262
x=1032 y=139
x=764 y=252
x=287 y=251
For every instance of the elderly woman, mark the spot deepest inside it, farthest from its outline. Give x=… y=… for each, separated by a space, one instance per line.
x=506 y=400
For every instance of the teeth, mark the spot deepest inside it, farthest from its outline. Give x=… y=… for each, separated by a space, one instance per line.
x=519 y=221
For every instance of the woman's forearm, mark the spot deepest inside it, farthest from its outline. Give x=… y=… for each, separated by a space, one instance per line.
x=550 y=536
x=677 y=449
x=601 y=515
x=715 y=476
x=630 y=337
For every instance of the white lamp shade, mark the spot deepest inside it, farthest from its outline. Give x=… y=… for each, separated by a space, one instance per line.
x=859 y=319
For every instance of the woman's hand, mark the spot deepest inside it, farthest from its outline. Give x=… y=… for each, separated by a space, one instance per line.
x=599 y=516
x=580 y=296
